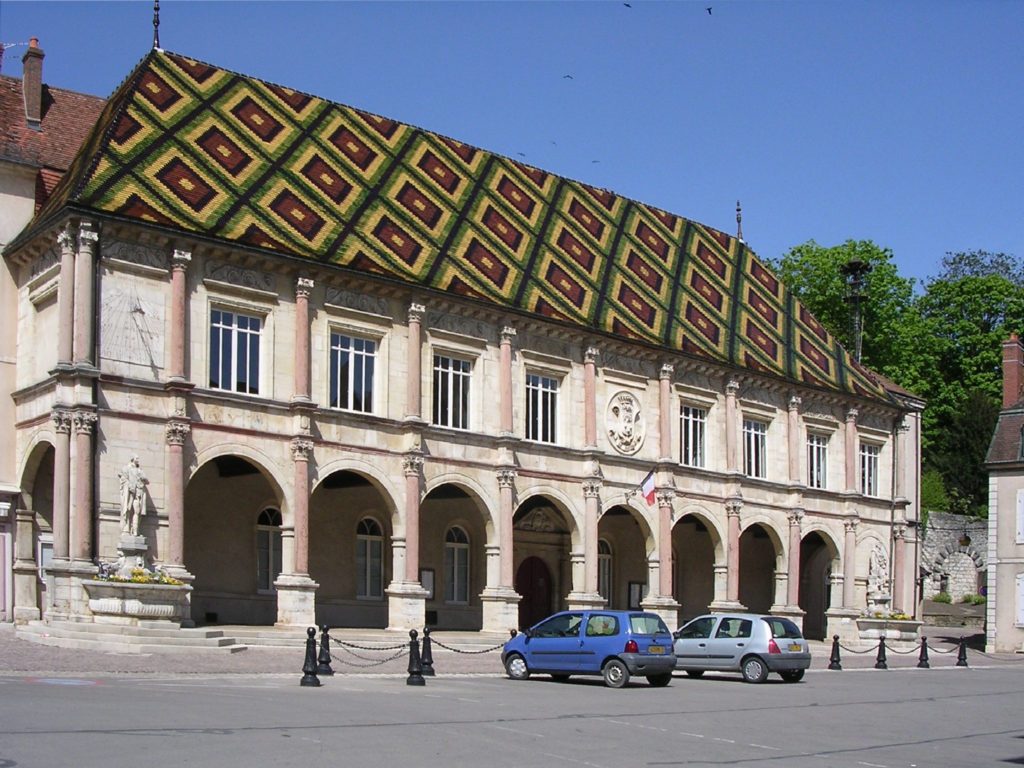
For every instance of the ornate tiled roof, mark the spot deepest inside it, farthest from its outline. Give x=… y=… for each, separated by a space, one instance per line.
x=191 y=147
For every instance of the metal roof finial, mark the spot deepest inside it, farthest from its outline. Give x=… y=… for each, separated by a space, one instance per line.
x=739 y=222
x=156 y=24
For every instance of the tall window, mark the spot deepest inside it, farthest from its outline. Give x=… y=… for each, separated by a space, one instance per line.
x=451 y=392
x=369 y=560
x=541 y=408
x=268 y=549
x=235 y=352
x=817 y=460
x=352 y=362
x=456 y=566
x=691 y=435
x=755 y=435
x=604 y=570
x=869 y=468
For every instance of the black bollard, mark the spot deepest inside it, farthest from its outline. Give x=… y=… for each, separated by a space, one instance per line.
x=323 y=666
x=427 y=657
x=834 y=661
x=922 y=660
x=309 y=677
x=415 y=667
x=880 y=661
x=512 y=633
x=961 y=656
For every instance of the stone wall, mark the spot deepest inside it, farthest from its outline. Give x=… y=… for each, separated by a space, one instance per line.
x=951 y=561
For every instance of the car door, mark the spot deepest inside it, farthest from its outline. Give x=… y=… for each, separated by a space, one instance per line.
x=691 y=643
x=729 y=642
x=602 y=635
x=554 y=644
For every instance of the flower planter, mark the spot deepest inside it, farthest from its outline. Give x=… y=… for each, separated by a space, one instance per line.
x=893 y=629
x=129 y=603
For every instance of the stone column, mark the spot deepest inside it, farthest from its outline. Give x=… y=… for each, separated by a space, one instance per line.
x=85 y=299
x=180 y=261
x=851 y=450
x=301 y=388
x=795 y=516
x=590 y=397
x=732 y=463
x=505 y=380
x=62 y=484
x=176 y=433
x=849 y=562
x=499 y=600
x=301 y=449
x=414 y=356
x=899 y=533
x=84 y=422
x=412 y=468
x=665 y=498
x=592 y=500
x=794 y=442
x=66 y=297
x=665 y=411
x=732 y=514
x=506 y=491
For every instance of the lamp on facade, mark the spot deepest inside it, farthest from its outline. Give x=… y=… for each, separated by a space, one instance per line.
x=855 y=271
x=965 y=539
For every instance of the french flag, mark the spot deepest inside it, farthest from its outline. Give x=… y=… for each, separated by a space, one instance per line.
x=647 y=488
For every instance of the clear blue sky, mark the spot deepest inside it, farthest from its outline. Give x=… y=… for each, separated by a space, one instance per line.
x=899 y=122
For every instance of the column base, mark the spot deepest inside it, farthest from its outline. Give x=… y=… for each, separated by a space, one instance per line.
x=296 y=600
x=727 y=606
x=792 y=612
x=842 y=622
x=584 y=601
x=26 y=592
x=500 y=609
x=665 y=607
x=407 y=606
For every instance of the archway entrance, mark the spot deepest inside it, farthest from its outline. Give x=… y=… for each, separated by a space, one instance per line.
x=815 y=584
x=622 y=582
x=533 y=583
x=757 y=569
x=693 y=555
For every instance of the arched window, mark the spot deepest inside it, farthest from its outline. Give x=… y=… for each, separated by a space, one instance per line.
x=456 y=566
x=268 y=549
x=604 y=570
x=369 y=560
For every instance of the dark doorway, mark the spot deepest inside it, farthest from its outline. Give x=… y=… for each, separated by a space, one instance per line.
x=815 y=587
x=533 y=582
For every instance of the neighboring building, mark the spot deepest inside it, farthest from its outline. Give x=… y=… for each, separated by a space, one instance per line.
x=1005 y=463
x=41 y=129
x=953 y=556
x=378 y=377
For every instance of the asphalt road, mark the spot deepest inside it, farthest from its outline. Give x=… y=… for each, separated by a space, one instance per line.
x=852 y=719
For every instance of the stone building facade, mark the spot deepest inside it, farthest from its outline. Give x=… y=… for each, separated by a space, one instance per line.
x=377 y=377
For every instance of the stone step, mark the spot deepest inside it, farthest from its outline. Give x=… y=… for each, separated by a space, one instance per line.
x=152 y=631
x=135 y=640
x=115 y=646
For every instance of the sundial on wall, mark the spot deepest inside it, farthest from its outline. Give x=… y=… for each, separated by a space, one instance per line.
x=132 y=327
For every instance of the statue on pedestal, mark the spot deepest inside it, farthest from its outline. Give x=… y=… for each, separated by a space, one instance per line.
x=133 y=496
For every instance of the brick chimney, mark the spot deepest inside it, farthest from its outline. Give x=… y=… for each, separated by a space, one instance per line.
x=32 y=83
x=1013 y=370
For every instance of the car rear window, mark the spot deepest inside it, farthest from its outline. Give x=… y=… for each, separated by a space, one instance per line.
x=647 y=624
x=783 y=628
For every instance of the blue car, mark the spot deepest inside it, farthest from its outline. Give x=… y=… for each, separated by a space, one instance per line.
x=614 y=644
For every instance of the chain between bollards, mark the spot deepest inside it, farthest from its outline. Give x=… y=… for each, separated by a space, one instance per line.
x=415 y=666
x=880 y=662
x=309 y=678
x=427 y=658
x=834 y=660
x=323 y=666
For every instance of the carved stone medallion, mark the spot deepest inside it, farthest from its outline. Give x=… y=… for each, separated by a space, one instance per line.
x=625 y=420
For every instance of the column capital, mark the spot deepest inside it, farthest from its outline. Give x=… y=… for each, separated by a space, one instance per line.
x=850 y=524
x=591 y=488
x=61 y=420
x=795 y=517
x=507 y=334
x=302 y=447
x=416 y=312
x=591 y=355
x=506 y=478
x=177 y=431
x=732 y=387
x=66 y=238
x=733 y=507
x=665 y=496
x=84 y=421
x=87 y=235
x=412 y=464
x=303 y=287
x=180 y=259
x=666 y=371
x=794 y=402
x=851 y=414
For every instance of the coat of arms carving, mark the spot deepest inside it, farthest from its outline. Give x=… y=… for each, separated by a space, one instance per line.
x=625 y=422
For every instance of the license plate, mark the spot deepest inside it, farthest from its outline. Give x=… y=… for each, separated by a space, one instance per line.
x=795 y=647
x=655 y=649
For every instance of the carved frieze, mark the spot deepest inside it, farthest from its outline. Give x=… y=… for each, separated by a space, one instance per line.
x=541 y=520
x=465 y=326
x=134 y=253
x=240 y=276
x=360 y=302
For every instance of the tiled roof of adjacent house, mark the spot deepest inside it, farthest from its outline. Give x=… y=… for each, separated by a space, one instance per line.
x=193 y=148
x=1007 y=446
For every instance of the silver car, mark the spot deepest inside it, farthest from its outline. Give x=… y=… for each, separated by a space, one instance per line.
x=749 y=643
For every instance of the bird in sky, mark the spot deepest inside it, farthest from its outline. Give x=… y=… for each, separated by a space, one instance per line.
x=568 y=77
x=520 y=154
x=708 y=9
x=627 y=5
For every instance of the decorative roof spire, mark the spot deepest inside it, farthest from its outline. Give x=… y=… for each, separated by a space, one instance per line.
x=156 y=24
x=739 y=222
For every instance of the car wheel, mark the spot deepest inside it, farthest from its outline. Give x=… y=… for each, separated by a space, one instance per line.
x=615 y=674
x=754 y=669
x=792 y=675
x=659 y=681
x=515 y=667
x=695 y=672
x=560 y=678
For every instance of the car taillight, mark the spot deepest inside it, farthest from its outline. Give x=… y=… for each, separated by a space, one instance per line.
x=772 y=647
x=631 y=647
